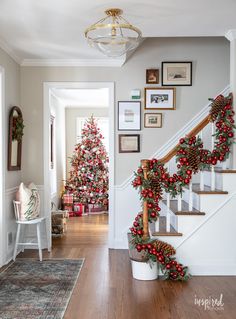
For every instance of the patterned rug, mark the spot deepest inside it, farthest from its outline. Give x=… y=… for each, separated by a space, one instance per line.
x=31 y=289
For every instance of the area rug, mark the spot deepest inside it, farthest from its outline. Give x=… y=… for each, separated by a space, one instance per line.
x=31 y=289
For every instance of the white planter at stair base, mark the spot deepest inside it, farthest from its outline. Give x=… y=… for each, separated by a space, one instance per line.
x=144 y=271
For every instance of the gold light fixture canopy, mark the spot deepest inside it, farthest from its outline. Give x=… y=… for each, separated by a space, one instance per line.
x=113 y=35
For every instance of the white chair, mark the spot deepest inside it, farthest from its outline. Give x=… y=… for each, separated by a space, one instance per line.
x=24 y=223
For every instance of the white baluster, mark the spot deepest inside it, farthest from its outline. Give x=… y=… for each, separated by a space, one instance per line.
x=224 y=165
x=190 y=204
x=212 y=167
x=201 y=172
x=179 y=203
x=168 y=213
x=157 y=224
x=202 y=180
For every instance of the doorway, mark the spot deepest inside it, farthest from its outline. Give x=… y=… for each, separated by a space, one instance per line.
x=2 y=164
x=49 y=89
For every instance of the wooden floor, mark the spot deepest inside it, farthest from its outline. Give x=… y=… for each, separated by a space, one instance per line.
x=106 y=290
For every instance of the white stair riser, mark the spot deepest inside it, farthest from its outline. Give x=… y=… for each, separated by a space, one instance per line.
x=210 y=202
x=229 y=182
x=172 y=240
x=187 y=223
x=218 y=180
x=224 y=181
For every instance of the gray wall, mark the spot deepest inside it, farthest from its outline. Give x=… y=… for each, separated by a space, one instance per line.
x=71 y=115
x=13 y=178
x=210 y=58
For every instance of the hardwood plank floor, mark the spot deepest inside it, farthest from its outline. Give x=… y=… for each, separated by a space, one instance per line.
x=106 y=289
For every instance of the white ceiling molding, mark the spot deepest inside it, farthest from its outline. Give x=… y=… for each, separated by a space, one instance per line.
x=75 y=62
x=231 y=35
x=9 y=51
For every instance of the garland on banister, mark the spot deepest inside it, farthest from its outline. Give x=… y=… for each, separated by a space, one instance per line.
x=191 y=158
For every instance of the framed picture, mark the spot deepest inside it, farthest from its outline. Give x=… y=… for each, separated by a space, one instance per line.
x=129 y=115
x=153 y=120
x=129 y=143
x=159 y=98
x=152 y=76
x=177 y=73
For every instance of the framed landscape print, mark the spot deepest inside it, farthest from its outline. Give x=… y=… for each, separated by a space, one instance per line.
x=177 y=73
x=129 y=115
x=129 y=143
x=153 y=120
x=159 y=98
x=152 y=76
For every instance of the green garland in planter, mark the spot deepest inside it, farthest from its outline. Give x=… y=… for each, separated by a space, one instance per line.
x=17 y=128
x=191 y=158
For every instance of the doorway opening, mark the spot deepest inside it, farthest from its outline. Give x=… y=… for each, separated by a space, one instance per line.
x=78 y=103
x=2 y=165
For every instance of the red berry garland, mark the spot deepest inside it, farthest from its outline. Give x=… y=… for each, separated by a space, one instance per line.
x=191 y=158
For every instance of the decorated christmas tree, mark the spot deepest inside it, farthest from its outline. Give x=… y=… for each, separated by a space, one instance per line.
x=88 y=177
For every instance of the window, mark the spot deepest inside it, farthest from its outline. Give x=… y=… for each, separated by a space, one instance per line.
x=103 y=124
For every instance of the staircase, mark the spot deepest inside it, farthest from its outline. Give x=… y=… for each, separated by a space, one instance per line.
x=201 y=222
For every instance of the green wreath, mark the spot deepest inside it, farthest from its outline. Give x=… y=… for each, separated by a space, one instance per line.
x=17 y=128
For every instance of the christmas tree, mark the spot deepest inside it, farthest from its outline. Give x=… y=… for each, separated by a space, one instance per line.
x=88 y=177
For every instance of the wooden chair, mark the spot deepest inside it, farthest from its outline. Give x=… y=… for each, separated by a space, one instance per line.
x=24 y=223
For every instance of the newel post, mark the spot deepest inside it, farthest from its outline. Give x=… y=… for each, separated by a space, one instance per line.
x=145 y=167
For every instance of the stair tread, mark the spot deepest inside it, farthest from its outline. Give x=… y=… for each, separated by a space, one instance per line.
x=162 y=229
x=222 y=171
x=225 y=171
x=207 y=190
x=185 y=209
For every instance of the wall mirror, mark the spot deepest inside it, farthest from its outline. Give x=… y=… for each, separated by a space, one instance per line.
x=16 y=128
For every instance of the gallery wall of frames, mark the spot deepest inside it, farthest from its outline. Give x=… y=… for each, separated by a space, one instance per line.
x=158 y=95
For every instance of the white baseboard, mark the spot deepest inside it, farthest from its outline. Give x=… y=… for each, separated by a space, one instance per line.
x=212 y=270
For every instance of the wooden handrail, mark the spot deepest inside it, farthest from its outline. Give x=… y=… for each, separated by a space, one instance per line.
x=200 y=126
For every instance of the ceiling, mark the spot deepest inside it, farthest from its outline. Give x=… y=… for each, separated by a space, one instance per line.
x=51 y=32
x=94 y=98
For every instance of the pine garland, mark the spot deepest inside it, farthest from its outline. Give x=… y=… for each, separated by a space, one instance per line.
x=191 y=158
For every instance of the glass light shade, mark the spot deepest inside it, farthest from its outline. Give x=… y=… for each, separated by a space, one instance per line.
x=113 y=35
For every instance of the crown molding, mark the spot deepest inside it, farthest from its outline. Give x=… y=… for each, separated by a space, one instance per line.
x=5 y=47
x=231 y=35
x=75 y=62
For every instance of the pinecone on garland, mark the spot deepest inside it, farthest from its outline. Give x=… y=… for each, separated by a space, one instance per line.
x=216 y=106
x=162 y=246
x=155 y=185
x=193 y=159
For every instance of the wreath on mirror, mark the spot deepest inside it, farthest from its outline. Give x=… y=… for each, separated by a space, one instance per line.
x=17 y=128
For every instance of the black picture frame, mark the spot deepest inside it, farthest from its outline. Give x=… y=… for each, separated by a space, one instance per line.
x=129 y=143
x=176 y=73
x=129 y=116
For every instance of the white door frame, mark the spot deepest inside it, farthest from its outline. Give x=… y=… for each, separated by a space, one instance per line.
x=47 y=87
x=2 y=163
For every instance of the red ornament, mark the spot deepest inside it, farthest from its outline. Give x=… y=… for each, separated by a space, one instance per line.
x=153 y=214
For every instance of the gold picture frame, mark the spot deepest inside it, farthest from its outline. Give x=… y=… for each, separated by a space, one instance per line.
x=153 y=120
x=159 y=98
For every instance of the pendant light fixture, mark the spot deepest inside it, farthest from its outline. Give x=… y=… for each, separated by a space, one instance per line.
x=113 y=35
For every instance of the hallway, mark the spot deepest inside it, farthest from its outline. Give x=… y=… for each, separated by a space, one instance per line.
x=106 y=290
